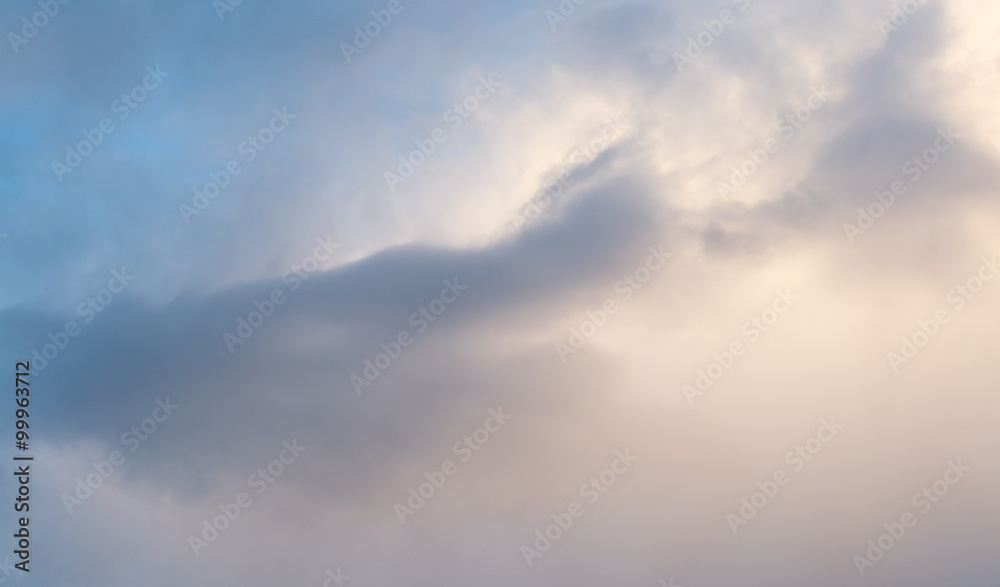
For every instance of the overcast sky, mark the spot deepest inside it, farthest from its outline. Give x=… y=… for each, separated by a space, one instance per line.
x=633 y=292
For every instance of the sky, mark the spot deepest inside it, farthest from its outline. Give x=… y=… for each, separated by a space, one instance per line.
x=590 y=292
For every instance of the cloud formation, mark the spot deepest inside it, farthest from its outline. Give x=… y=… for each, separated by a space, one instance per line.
x=306 y=273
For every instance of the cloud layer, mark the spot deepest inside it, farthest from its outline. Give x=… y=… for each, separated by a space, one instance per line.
x=742 y=243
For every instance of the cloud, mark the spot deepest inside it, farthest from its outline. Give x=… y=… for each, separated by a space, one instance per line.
x=529 y=288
